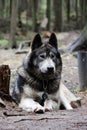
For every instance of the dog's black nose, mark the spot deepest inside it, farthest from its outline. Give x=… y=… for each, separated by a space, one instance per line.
x=50 y=69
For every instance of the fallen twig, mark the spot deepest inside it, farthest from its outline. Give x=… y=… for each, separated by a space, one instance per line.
x=8 y=115
x=44 y=118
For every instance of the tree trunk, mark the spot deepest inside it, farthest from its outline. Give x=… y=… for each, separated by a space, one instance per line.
x=76 y=9
x=29 y=8
x=58 y=15
x=48 y=12
x=2 y=3
x=68 y=10
x=6 y=9
x=34 y=14
x=13 y=23
x=19 y=10
x=28 y=13
x=86 y=10
x=10 y=8
x=83 y=13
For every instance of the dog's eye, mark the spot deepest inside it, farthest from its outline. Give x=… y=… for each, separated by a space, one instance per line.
x=52 y=55
x=42 y=56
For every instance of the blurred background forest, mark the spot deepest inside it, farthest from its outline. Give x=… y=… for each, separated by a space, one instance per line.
x=20 y=19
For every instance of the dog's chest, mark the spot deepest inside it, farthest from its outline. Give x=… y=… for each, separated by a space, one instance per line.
x=49 y=87
x=39 y=96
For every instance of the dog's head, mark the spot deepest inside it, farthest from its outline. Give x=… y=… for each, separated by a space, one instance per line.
x=44 y=61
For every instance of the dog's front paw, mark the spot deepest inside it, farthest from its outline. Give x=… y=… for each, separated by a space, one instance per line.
x=37 y=110
x=51 y=105
x=48 y=109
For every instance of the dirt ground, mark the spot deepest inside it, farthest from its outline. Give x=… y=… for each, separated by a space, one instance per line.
x=13 y=118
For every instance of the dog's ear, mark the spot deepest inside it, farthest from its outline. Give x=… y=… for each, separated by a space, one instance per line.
x=53 y=40
x=36 y=42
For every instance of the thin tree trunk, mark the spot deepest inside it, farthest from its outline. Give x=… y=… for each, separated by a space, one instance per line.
x=85 y=13
x=76 y=9
x=86 y=10
x=68 y=10
x=82 y=10
x=10 y=8
x=34 y=14
x=13 y=23
x=58 y=15
x=48 y=13
x=2 y=3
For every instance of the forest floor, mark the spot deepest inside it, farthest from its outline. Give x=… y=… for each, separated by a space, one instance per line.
x=13 y=118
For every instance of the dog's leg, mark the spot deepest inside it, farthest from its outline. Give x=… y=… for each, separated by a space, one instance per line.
x=30 y=105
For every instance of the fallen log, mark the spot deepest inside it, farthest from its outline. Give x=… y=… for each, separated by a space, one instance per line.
x=21 y=49
x=68 y=99
x=80 y=46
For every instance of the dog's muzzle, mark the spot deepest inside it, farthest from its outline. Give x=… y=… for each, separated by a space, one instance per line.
x=49 y=73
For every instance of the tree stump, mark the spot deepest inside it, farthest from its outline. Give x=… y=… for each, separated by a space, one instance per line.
x=4 y=79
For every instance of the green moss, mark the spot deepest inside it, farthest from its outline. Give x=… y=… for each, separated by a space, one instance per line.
x=3 y=43
x=63 y=46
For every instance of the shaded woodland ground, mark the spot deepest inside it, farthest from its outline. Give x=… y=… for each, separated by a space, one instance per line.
x=13 y=118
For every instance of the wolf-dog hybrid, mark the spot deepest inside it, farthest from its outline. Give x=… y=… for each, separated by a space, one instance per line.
x=37 y=87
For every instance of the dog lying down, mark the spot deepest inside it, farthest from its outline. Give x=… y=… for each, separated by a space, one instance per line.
x=38 y=88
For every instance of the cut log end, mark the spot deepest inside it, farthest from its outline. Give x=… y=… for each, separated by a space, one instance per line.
x=76 y=104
